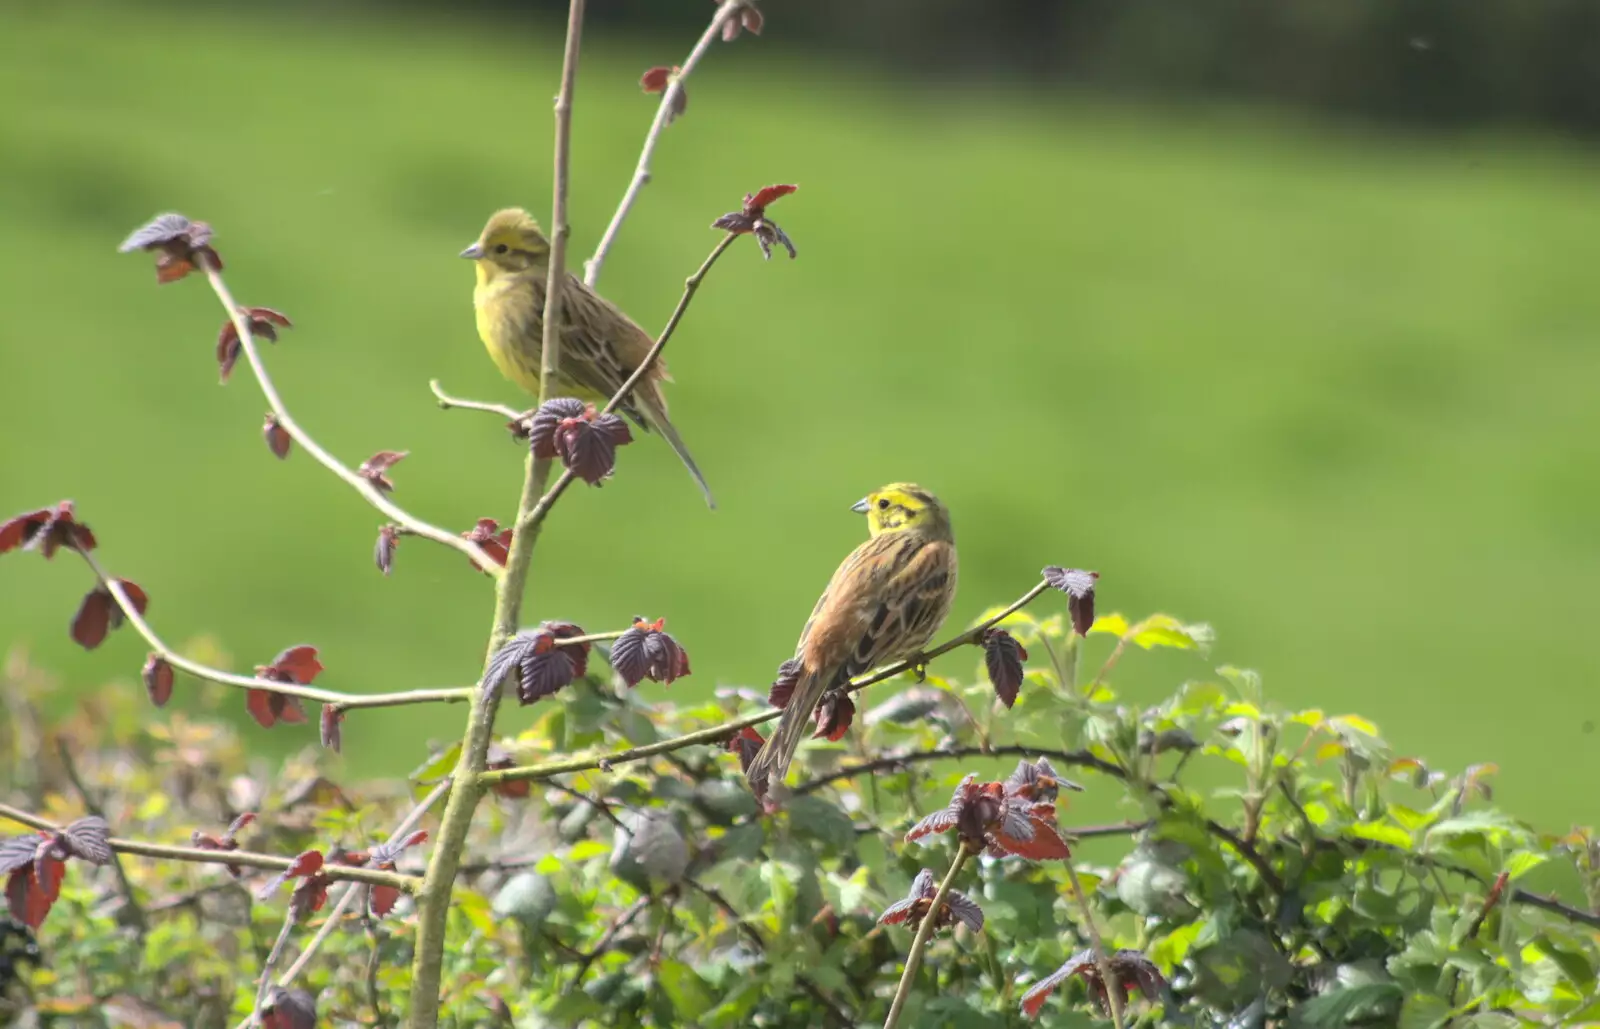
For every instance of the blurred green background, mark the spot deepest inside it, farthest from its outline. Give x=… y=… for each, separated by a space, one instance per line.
x=1329 y=388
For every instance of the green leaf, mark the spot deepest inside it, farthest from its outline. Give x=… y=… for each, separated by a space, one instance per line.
x=1380 y=832
x=438 y=766
x=1338 y=1008
x=688 y=992
x=527 y=897
x=1524 y=861
x=1114 y=624
x=811 y=816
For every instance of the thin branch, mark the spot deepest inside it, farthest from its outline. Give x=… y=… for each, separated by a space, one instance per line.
x=924 y=932
x=535 y=517
x=641 y=174
x=621 y=922
x=245 y=858
x=447 y=402
x=1102 y=958
x=135 y=912
x=720 y=733
x=265 y=982
x=1075 y=758
x=247 y=342
x=343 y=701
x=348 y=897
x=433 y=908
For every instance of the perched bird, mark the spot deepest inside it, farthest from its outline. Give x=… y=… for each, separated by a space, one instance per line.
x=883 y=604
x=600 y=346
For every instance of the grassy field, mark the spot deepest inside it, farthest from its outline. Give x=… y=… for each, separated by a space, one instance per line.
x=1332 y=393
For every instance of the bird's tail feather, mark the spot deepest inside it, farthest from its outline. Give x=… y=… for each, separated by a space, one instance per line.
x=771 y=764
x=660 y=423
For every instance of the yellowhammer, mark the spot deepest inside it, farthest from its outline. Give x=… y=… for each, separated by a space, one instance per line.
x=600 y=346
x=884 y=603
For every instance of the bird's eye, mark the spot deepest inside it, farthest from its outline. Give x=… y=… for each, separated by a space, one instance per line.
x=502 y=248
x=883 y=503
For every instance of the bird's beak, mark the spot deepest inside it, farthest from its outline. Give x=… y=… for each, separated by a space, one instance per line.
x=861 y=506
x=473 y=252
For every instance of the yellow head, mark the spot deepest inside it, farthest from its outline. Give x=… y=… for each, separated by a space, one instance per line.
x=904 y=507
x=511 y=242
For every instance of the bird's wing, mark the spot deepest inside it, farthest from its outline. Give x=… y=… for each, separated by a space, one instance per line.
x=601 y=347
x=885 y=601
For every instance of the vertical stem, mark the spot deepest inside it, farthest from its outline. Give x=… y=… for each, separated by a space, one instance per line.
x=924 y=932
x=433 y=903
x=1102 y=960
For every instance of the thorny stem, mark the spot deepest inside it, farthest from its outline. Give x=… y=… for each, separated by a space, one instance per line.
x=343 y=701
x=245 y=858
x=720 y=733
x=247 y=342
x=1102 y=960
x=641 y=174
x=433 y=907
x=924 y=932
x=535 y=517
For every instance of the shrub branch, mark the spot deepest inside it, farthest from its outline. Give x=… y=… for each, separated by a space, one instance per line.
x=343 y=701
x=920 y=943
x=641 y=174
x=414 y=525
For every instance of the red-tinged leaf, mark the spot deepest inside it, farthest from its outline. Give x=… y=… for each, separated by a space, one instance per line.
x=1042 y=843
x=18 y=530
x=297 y=664
x=834 y=714
x=655 y=80
x=938 y=822
x=165 y=229
x=383 y=552
x=898 y=912
x=766 y=195
x=783 y=686
x=751 y=19
x=1079 y=587
x=375 y=469
x=259 y=704
x=90 y=624
x=306 y=863
x=963 y=909
x=496 y=543
x=1002 y=658
x=383 y=899
x=136 y=597
x=647 y=652
x=309 y=896
x=239 y=823
x=88 y=839
x=33 y=889
x=578 y=653
x=747 y=743
x=289 y=709
x=278 y=439
x=158 y=676
x=288 y=1009
x=543 y=425
x=47 y=529
x=332 y=727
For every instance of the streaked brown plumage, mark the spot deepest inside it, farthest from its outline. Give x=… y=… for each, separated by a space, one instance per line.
x=883 y=604
x=600 y=345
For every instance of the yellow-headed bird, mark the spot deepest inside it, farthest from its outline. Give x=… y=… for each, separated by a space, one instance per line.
x=884 y=604
x=600 y=346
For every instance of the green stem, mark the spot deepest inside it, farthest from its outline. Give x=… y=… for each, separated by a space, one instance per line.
x=1102 y=958
x=924 y=933
x=433 y=906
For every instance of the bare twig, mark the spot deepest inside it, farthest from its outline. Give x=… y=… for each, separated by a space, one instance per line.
x=245 y=858
x=343 y=701
x=924 y=932
x=369 y=492
x=529 y=525
x=1077 y=758
x=91 y=805
x=378 y=1018
x=720 y=733
x=1102 y=959
x=433 y=908
x=621 y=922
x=348 y=897
x=265 y=982
x=641 y=174
x=447 y=402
